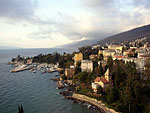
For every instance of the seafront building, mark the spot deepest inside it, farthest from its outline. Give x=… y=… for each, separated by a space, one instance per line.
x=87 y=65
x=29 y=61
x=78 y=58
x=103 y=81
x=92 y=57
x=115 y=47
x=70 y=72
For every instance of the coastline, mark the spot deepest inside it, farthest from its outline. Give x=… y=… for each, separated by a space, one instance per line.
x=102 y=108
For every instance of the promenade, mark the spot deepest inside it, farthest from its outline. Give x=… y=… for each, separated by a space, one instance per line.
x=94 y=102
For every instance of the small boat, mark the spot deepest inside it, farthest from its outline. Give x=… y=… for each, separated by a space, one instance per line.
x=34 y=71
x=43 y=72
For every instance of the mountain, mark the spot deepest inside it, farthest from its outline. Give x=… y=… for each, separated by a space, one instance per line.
x=78 y=44
x=127 y=36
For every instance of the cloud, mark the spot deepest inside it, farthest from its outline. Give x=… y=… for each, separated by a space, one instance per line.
x=142 y=3
x=17 y=9
x=99 y=19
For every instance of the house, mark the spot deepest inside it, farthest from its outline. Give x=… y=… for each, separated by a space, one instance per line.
x=119 y=57
x=143 y=55
x=103 y=63
x=95 y=86
x=29 y=61
x=115 y=47
x=100 y=52
x=93 y=57
x=107 y=53
x=87 y=65
x=147 y=45
x=78 y=58
x=70 y=72
x=103 y=81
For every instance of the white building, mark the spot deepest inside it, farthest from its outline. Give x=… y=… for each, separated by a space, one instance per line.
x=87 y=66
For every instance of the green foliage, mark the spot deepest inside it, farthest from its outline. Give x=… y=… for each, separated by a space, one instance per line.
x=129 y=93
x=95 y=64
x=68 y=64
x=110 y=63
x=78 y=68
x=20 y=109
x=82 y=77
x=99 y=71
x=101 y=57
x=85 y=77
x=64 y=60
x=111 y=95
x=147 y=70
x=83 y=89
x=86 y=51
x=99 y=90
x=64 y=77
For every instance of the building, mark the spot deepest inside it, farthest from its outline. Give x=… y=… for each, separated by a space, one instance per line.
x=147 y=45
x=95 y=86
x=70 y=72
x=78 y=57
x=144 y=55
x=103 y=81
x=100 y=52
x=107 y=53
x=115 y=47
x=29 y=61
x=93 y=57
x=140 y=64
x=103 y=63
x=87 y=66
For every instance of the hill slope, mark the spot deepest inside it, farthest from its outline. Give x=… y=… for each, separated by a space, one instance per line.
x=130 y=35
x=79 y=44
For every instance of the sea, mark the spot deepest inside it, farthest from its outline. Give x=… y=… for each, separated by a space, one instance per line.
x=34 y=91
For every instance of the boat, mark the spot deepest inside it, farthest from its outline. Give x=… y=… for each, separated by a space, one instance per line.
x=34 y=71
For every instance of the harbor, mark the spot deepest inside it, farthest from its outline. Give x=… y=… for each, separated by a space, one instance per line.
x=34 y=67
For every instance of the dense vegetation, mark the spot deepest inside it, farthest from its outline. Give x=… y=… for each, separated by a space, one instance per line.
x=64 y=60
x=130 y=93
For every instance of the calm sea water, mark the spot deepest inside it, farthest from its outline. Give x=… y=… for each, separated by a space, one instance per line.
x=34 y=91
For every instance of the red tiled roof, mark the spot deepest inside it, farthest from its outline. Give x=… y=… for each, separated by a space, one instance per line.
x=104 y=80
x=120 y=56
x=101 y=79
x=97 y=79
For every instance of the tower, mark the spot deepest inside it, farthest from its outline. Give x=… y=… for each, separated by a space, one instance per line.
x=108 y=76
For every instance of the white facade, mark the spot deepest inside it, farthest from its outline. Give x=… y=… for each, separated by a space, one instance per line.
x=87 y=66
x=95 y=86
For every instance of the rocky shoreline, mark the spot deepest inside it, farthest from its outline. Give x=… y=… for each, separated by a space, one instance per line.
x=69 y=95
x=88 y=104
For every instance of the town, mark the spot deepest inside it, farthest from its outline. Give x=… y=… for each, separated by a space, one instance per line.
x=116 y=75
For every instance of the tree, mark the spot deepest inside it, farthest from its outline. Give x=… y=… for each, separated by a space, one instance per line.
x=64 y=77
x=110 y=63
x=78 y=68
x=147 y=70
x=112 y=95
x=20 y=109
x=99 y=70
x=82 y=76
x=101 y=57
x=99 y=90
x=86 y=51
x=95 y=64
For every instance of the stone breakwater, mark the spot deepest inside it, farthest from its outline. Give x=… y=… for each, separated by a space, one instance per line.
x=102 y=107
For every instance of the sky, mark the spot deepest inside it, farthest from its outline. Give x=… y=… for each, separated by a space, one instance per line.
x=50 y=23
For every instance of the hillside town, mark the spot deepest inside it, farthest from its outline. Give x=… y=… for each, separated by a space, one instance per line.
x=117 y=75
